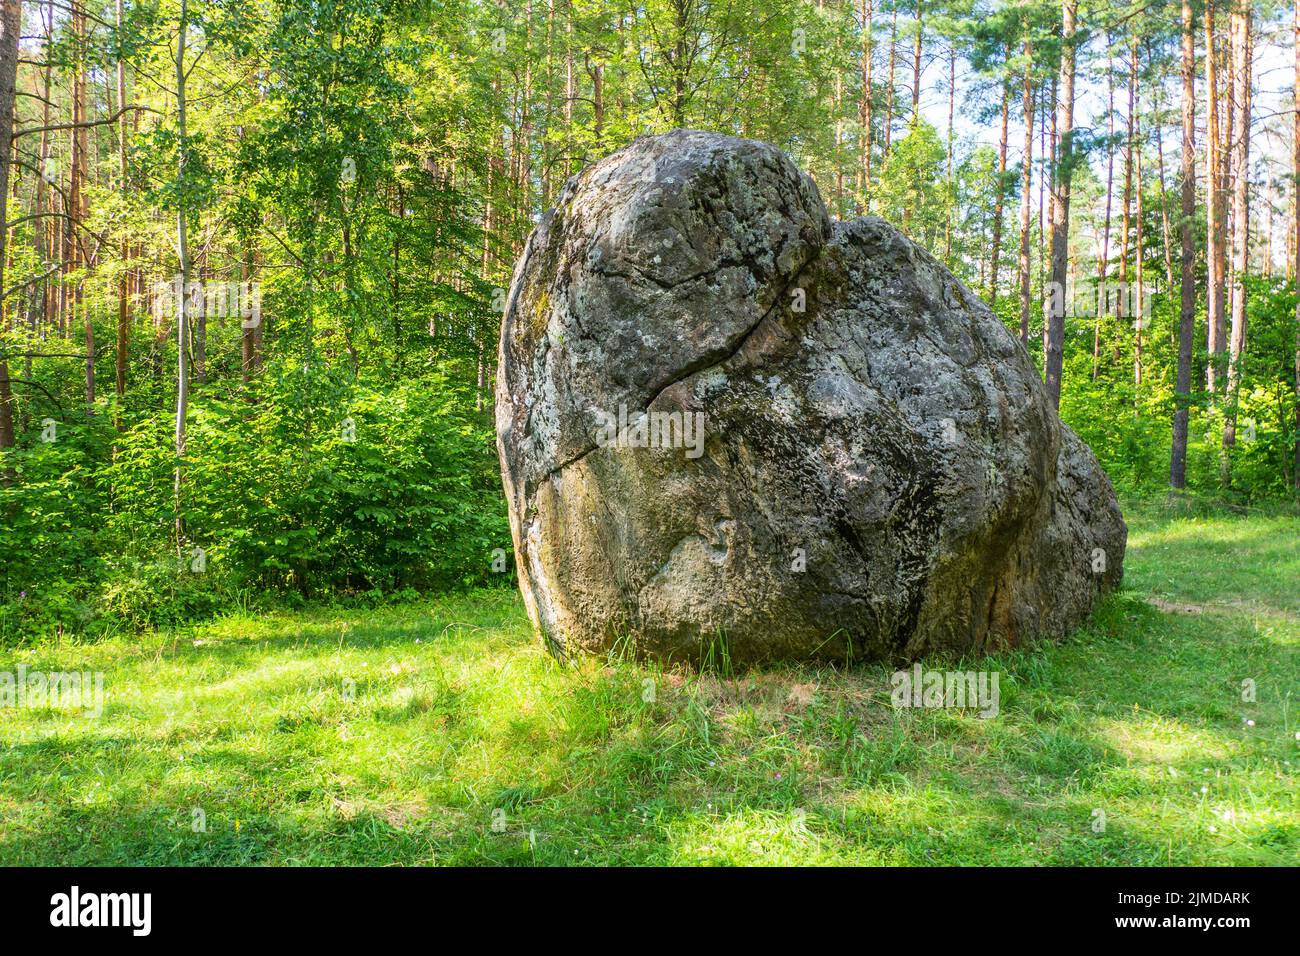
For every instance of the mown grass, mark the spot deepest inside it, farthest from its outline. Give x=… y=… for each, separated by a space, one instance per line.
x=443 y=734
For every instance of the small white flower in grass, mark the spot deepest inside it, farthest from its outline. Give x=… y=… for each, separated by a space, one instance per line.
x=198 y=643
x=1205 y=789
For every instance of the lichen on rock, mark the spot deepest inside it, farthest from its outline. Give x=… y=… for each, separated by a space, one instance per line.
x=881 y=473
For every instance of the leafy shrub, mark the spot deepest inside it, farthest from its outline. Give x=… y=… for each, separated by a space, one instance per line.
x=310 y=482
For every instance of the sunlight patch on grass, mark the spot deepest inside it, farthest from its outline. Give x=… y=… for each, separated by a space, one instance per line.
x=442 y=733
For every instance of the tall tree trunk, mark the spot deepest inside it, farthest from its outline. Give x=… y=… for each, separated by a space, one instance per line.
x=916 y=63
x=597 y=73
x=1124 y=298
x=889 y=94
x=11 y=23
x=524 y=150
x=80 y=158
x=1139 y=276
x=1061 y=206
x=864 y=111
x=1026 y=174
x=1295 y=240
x=1047 y=150
x=570 y=89
x=1268 y=236
x=1165 y=233
x=183 y=298
x=1240 y=24
x=947 y=202
x=549 y=84
x=1215 y=219
x=1000 y=197
x=248 y=333
x=123 y=294
x=45 y=195
x=1187 y=260
x=1103 y=260
x=838 y=110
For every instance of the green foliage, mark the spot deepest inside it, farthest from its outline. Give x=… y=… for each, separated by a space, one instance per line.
x=376 y=166
x=309 y=481
x=1129 y=426
x=913 y=188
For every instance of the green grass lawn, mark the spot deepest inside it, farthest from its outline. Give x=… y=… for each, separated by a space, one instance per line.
x=442 y=734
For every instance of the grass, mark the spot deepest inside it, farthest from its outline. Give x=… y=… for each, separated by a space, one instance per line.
x=441 y=733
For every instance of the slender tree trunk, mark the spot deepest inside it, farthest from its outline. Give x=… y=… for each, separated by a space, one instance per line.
x=1295 y=240
x=1267 y=264
x=78 y=194
x=1139 y=276
x=547 y=190
x=1103 y=260
x=948 y=199
x=123 y=294
x=248 y=333
x=1046 y=149
x=1165 y=233
x=1124 y=298
x=1061 y=207
x=570 y=89
x=1000 y=197
x=839 y=138
x=11 y=23
x=44 y=195
x=864 y=112
x=889 y=94
x=1215 y=219
x=597 y=72
x=1026 y=174
x=524 y=151
x=1240 y=23
x=182 y=299
x=916 y=63
x=1187 y=259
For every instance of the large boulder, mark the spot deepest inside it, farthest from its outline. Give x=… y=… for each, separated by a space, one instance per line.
x=729 y=425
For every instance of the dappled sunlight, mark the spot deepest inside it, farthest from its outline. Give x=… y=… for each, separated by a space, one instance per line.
x=444 y=733
x=1212 y=564
x=1162 y=742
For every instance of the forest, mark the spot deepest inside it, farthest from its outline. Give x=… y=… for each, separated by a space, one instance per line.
x=256 y=252
x=254 y=264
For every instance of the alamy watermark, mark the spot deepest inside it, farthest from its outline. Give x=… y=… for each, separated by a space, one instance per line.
x=130 y=910
x=1125 y=300
x=211 y=299
x=651 y=430
x=936 y=689
x=62 y=690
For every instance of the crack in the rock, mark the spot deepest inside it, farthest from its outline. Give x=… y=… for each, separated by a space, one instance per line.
x=636 y=272
x=713 y=359
x=546 y=475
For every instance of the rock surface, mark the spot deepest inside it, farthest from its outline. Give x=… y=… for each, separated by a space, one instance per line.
x=879 y=471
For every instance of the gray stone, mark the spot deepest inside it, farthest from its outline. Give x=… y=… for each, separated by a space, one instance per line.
x=879 y=472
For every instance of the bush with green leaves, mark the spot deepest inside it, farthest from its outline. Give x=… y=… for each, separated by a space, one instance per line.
x=310 y=481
